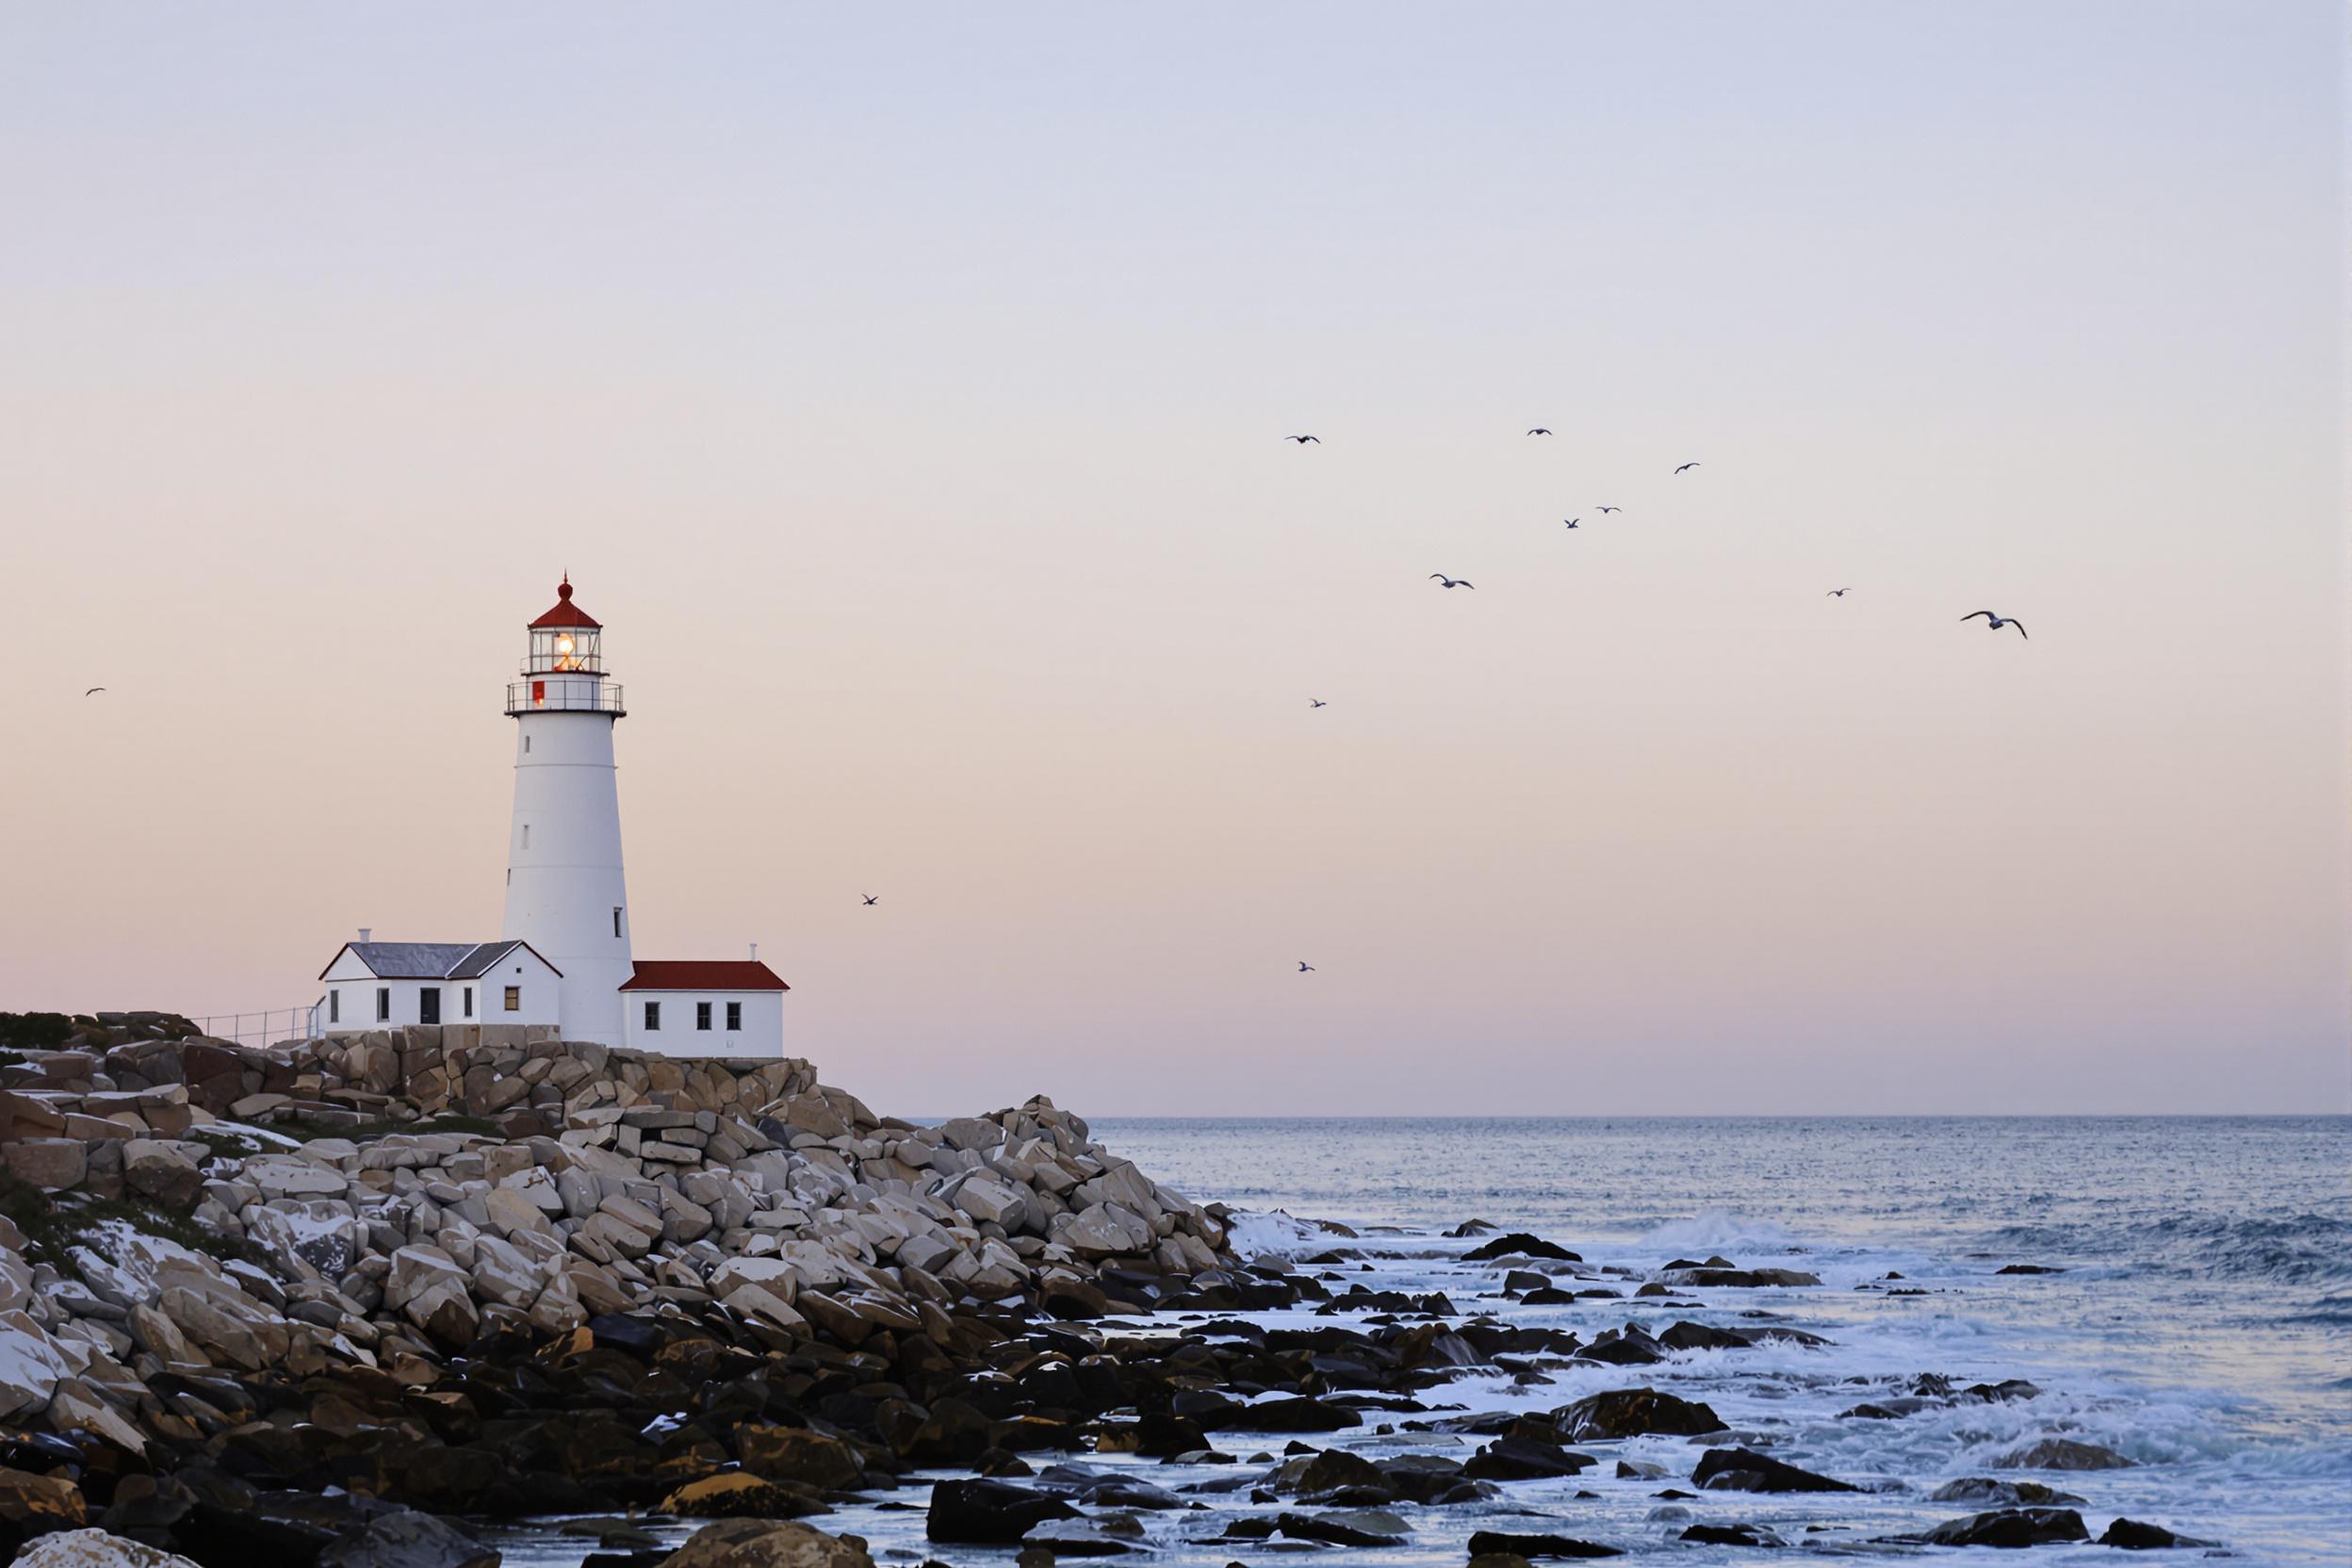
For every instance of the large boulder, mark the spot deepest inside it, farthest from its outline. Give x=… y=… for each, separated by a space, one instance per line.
x=2062 y=1453
x=93 y=1548
x=2013 y=1527
x=801 y=1457
x=985 y=1513
x=162 y=1171
x=407 y=1539
x=1631 y=1413
x=1503 y=1543
x=35 y=1505
x=766 y=1544
x=1745 y=1470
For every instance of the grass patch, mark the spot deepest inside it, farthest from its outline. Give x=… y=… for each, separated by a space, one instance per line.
x=54 y=1223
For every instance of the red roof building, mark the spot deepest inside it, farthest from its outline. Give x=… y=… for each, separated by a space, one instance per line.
x=703 y=974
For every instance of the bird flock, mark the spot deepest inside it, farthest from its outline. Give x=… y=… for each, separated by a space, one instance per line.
x=1994 y=622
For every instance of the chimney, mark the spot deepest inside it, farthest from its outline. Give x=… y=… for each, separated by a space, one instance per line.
x=365 y=932
x=755 y=953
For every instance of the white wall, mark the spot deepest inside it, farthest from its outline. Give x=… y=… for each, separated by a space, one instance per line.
x=762 y=1036
x=564 y=862
x=540 y=1001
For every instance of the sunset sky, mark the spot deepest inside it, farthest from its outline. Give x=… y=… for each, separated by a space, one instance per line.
x=903 y=387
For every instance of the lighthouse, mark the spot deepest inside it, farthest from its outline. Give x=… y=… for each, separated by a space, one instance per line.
x=564 y=892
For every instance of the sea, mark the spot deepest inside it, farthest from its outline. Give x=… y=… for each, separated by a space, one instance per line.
x=2197 y=1317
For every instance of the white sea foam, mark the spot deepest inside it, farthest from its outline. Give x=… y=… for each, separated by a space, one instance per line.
x=1721 y=1231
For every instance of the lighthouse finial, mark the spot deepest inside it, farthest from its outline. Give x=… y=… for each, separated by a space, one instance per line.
x=563 y=590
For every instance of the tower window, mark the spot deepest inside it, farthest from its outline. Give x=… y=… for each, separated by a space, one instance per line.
x=734 y=1017
x=617 y=920
x=653 y=1018
x=384 y=1004
x=514 y=999
x=526 y=835
x=702 y=1014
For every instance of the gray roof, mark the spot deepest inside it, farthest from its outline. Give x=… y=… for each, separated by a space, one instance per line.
x=432 y=960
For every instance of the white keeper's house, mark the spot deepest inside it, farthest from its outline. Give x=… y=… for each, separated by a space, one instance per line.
x=563 y=966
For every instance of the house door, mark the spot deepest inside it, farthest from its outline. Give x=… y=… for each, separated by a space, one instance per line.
x=428 y=1005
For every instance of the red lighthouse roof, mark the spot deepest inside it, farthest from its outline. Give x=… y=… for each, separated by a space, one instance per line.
x=565 y=612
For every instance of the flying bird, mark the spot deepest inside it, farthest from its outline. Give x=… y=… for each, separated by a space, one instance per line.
x=1450 y=581
x=1837 y=593
x=1305 y=968
x=1539 y=430
x=870 y=899
x=1994 y=623
x=1316 y=702
x=1608 y=509
x=1686 y=467
x=1302 y=440
x=93 y=691
x=1571 y=523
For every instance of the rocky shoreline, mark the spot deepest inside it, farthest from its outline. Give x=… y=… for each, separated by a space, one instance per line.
x=355 y=1303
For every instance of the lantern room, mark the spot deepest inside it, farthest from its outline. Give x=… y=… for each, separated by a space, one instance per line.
x=567 y=640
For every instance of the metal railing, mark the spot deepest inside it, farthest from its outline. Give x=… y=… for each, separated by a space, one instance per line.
x=267 y=1027
x=562 y=695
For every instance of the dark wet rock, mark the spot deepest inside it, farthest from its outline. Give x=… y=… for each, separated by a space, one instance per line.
x=1745 y=1470
x=2028 y=1269
x=1293 y=1416
x=650 y=1557
x=1105 y=1535
x=1486 y=1543
x=1548 y=1296
x=1432 y=1480
x=737 y=1495
x=1984 y=1489
x=2000 y=1393
x=1628 y=1347
x=1736 y=1278
x=767 y=1543
x=799 y=1456
x=1686 y=1335
x=1518 y=1281
x=407 y=1539
x=2009 y=1527
x=1521 y=1457
x=1355 y=1526
x=1471 y=1228
x=2132 y=1536
x=989 y=1513
x=1631 y=1412
x=2062 y=1453
x=1640 y=1470
x=1521 y=1245
x=1328 y=1471
x=1732 y=1535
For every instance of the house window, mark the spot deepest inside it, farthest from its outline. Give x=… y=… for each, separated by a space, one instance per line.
x=525 y=743
x=335 y=1006
x=653 y=1018
x=514 y=999
x=617 y=920
x=734 y=1016
x=384 y=1004
x=526 y=835
x=428 y=1005
x=469 y=1001
x=702 y=1014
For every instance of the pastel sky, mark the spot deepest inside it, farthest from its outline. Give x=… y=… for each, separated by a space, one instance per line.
x=903 y=387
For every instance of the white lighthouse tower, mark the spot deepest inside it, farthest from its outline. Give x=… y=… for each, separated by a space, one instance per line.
x=564 y=894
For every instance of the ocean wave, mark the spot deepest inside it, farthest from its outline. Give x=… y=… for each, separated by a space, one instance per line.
x=2283 y=1249
x=1721 y=1231
x=1253 y=1234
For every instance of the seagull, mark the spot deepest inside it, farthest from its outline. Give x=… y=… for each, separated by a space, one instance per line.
x=871 y=899
x=93 y=691
x=1837 y=593
x=1316 y=702
x=1305 y=968
x=1608 y=509
x=1539 y=430
x=1451 y=582
x=1571 y=523
x=1686 y=467
x=1994 y=623
x=1302 y=440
